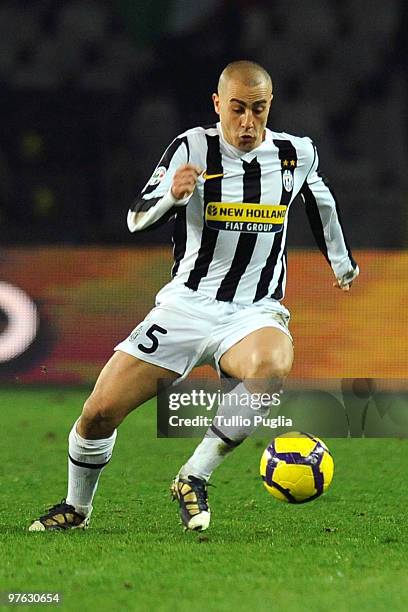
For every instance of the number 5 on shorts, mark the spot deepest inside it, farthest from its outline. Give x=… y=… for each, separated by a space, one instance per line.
x=155 y=341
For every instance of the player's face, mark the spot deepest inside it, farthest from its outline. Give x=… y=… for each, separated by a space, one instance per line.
x=243 y=112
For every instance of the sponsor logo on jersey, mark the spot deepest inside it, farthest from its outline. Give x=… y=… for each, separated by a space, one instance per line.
x=244 y=217
x=158 y=175
x=208 y=177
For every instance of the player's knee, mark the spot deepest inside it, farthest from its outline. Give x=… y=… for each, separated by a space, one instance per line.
x=270 y=364
x=100 y=411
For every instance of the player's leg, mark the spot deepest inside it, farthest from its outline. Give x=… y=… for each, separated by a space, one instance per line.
x=261 y=360
x=166 y=344
x=124 y=384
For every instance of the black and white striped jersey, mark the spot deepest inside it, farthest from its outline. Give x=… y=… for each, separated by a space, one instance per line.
x=230 y=234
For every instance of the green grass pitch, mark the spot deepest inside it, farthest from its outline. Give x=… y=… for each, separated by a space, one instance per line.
x=346 y=551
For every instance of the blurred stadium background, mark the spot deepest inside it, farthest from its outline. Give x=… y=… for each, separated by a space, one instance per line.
x=93 y=91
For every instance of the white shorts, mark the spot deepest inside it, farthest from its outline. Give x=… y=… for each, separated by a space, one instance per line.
x=187 y=329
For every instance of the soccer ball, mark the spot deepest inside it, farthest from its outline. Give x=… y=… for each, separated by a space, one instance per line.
x=296 y=467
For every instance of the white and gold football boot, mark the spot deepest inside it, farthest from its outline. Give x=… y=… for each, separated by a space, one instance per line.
x=191 y=494
x=62 y=516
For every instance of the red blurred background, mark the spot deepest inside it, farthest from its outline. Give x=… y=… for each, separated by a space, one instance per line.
x=88 y=299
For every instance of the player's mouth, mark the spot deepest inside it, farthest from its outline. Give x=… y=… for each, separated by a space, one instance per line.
x=247 y=138
x=247 y=141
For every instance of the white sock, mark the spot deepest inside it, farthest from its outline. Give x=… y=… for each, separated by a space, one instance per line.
x=83 y=480
x=224 y=435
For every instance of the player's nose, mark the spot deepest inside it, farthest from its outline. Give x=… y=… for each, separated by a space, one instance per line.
x=247 y=119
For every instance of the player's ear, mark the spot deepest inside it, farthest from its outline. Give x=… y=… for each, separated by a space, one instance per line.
x=216 y=101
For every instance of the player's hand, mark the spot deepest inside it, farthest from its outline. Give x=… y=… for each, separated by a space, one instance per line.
x=184 y=181
x=344 y=283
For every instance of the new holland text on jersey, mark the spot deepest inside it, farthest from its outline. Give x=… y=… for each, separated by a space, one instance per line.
x=244 y=217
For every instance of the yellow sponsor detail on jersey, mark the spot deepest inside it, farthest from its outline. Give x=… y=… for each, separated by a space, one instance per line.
x=208 y=177
x=245 y=217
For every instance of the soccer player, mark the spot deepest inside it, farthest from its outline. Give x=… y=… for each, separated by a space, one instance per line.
x=230 y=186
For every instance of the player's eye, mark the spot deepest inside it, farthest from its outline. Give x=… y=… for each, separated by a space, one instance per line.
x=238 y=111
x=259 y=110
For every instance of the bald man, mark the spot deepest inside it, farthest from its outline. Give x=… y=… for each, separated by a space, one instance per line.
x=229 y=186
